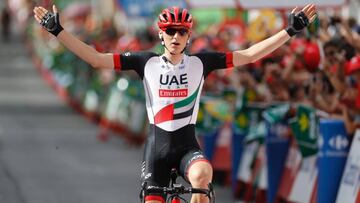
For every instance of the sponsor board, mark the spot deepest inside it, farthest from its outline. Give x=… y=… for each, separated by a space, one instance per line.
x=350 y=182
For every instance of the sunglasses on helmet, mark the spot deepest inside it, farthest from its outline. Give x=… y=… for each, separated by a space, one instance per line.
x=173 y=31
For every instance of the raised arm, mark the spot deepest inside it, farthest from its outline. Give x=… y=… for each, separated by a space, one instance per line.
x=298 y=20
x=51 y=23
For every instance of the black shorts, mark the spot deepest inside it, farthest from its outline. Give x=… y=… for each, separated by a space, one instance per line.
x=167 y=150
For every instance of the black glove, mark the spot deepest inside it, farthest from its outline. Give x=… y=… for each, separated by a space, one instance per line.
x=297 y=22
x=51 y=23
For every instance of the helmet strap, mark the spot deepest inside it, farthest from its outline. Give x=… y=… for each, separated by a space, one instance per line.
x=163 y=43
x=184 y=49
x=187 y=43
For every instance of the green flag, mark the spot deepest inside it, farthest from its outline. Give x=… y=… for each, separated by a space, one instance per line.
x=276 y=114
x=257 y=132
x=304 y=127
x=241 y=121
x=206 y=122
x=246 y=118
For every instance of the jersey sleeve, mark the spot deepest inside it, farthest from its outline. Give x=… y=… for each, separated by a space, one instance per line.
x=132 y=61
x=215 y=60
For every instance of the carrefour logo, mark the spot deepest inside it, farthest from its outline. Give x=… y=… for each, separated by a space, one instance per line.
x=338 y=142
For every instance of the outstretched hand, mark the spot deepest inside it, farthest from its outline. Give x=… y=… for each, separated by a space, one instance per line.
x=309 y=11
x=50 y=21
x=300 y=19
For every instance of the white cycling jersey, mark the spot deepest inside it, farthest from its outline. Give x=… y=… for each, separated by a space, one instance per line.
x=172 y=91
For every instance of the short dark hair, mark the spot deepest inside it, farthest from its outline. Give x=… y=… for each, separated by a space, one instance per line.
x=341 y=45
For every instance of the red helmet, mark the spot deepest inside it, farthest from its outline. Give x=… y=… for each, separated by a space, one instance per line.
x=175 y=16
x=312 y=56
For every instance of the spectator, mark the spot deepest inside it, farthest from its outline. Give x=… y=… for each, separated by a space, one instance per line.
x=5 y=23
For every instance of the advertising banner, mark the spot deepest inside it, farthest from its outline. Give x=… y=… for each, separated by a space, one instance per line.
x=147 y=8
x=248 y=4
x=288 y=4
x=350 y=183
x=292 y=166
x=304 y=186
x=236 y=150
x=277 y=146
x=248 y=158
x=334 y=147
x=212 y=4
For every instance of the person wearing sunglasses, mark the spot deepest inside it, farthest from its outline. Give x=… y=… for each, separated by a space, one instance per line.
x=173 y=82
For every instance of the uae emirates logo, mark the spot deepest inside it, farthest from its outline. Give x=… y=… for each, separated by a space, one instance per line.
x=173 y=93
x=170 y=81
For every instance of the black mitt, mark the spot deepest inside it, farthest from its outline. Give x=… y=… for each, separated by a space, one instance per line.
x=51 y=23
x=297 y=22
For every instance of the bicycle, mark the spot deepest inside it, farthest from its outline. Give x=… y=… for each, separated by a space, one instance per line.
x=176 y=190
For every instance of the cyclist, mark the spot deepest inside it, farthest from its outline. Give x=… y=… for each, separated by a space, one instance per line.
x=173 y=83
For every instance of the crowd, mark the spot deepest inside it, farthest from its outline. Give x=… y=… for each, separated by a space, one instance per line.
x=319 y=67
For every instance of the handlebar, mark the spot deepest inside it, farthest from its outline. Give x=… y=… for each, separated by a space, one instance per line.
x=177 y=189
